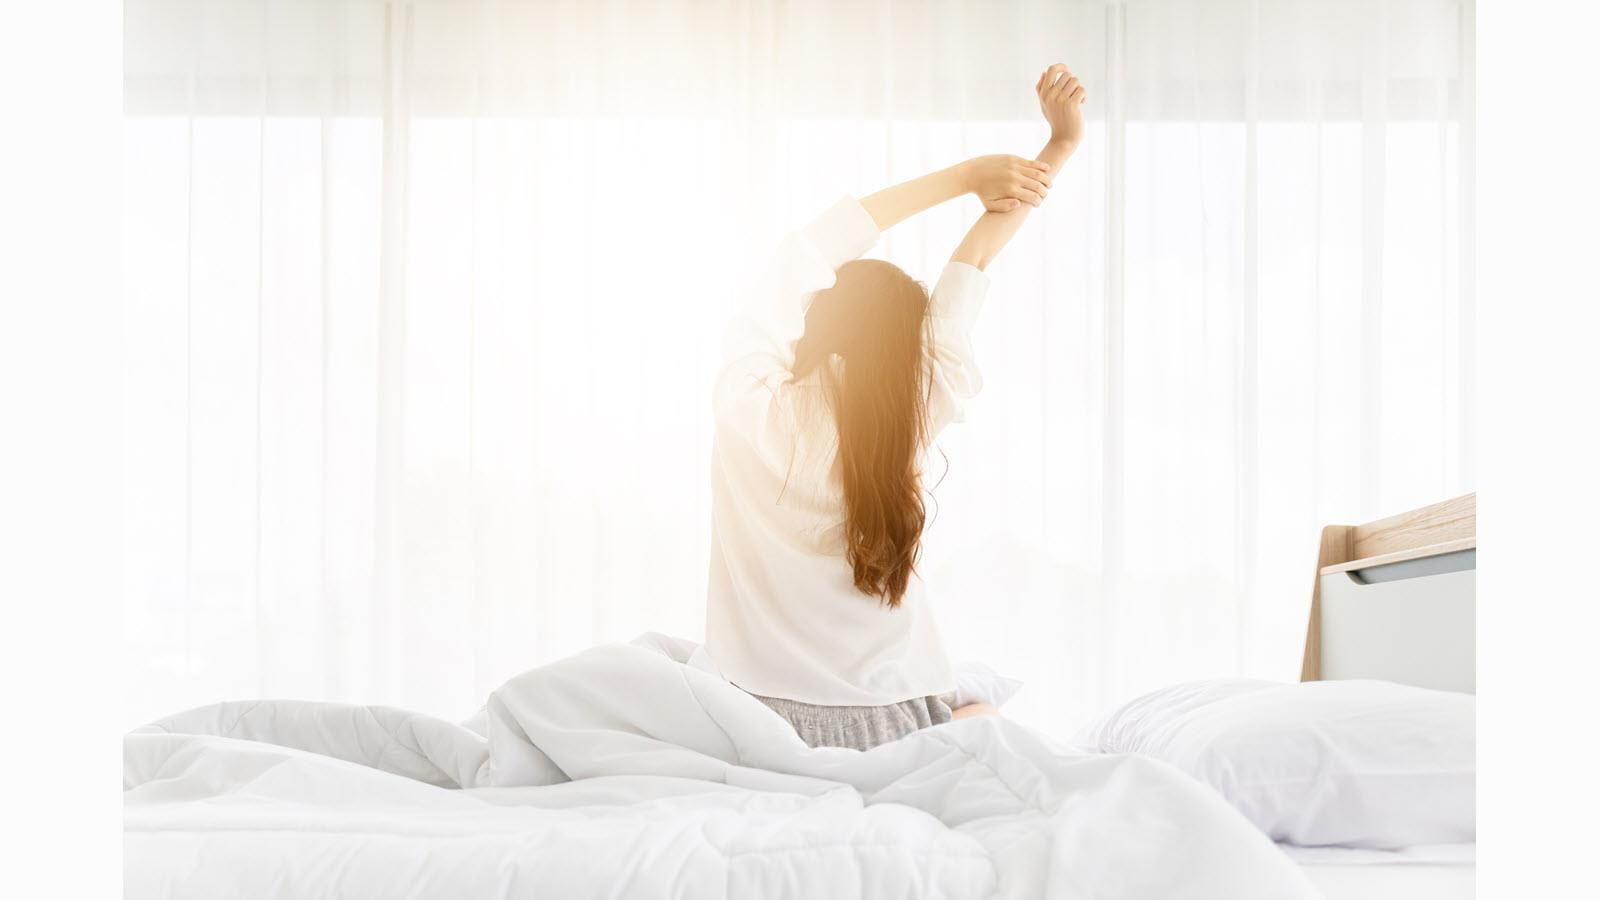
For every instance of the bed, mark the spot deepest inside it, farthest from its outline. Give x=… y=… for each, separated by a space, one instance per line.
x=634 y=770
x=1442 y=879
x=1394 y=599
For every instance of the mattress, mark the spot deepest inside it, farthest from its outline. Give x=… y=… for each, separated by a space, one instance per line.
x=1445 y=872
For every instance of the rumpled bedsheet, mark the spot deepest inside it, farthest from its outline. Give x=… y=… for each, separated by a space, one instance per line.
x=625 y=771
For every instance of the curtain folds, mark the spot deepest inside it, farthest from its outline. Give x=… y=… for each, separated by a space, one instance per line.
x=423 y=303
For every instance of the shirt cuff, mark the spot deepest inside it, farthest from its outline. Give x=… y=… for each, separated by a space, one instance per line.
x=959 y=293
x=843 y=233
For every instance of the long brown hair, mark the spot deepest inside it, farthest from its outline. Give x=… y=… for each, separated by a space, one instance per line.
x=875 y=319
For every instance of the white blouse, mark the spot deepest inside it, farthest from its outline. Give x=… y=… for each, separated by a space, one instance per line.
x=783 y=615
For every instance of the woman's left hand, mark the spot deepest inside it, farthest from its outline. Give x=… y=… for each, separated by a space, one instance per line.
x=1004 y=182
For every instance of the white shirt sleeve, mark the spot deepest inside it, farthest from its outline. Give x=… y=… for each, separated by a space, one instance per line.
x=759 y=344
x=957 y=298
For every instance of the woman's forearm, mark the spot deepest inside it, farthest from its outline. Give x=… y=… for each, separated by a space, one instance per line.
x=994 y=230
x=899 y=202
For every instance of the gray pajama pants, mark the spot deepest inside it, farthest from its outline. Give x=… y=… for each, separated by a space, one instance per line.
x=858 y=727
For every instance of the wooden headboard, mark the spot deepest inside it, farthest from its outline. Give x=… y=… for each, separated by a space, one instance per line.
x=1446 y=527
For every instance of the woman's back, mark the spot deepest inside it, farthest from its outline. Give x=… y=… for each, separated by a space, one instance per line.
x=840 y=375
x=785 y=617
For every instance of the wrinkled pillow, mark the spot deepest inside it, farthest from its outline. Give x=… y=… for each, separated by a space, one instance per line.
x=977 y=683
x=1347 y=763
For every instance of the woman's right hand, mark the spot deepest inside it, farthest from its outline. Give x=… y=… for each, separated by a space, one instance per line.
x=1061 y=98
x=1004 y=182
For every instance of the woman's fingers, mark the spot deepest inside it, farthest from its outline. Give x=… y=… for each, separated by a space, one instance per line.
x=1022 y=167
x=1051 y=76
x=1078 y=94
x=1028 y=194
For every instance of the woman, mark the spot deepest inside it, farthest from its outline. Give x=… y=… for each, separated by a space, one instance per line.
x=836 y=384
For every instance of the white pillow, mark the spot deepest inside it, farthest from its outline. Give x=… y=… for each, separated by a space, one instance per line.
x=1350 y=763
x=977 y=683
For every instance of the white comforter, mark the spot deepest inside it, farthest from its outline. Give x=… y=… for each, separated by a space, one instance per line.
x=625 y=772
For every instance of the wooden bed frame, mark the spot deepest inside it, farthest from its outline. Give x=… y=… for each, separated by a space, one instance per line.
x=1446 y=527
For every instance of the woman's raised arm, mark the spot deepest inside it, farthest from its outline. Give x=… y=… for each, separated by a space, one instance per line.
x=1001 y=181
x=1061 y=99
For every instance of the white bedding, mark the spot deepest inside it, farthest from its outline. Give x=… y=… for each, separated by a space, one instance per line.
x=625 y=772
x=1349 y=763
x=1419 y=882
x=1433 y=872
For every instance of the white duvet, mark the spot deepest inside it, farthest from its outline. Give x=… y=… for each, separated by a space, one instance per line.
x=626 y=772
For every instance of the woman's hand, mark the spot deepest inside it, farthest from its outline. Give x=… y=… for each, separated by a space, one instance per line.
x=1061 y=98
x=1004 y=182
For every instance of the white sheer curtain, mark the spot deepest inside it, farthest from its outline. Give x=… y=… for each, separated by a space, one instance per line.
x=423 y=302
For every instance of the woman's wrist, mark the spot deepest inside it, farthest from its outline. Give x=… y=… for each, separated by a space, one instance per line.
x=1056 y=152
x=1061 y=146
x=964 y=175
